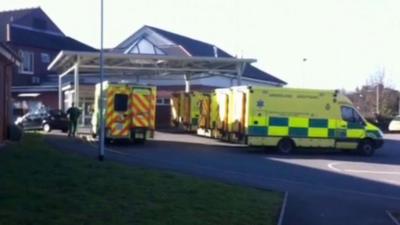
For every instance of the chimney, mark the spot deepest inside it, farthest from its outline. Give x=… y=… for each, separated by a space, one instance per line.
x=8 y=33
x=215 y=51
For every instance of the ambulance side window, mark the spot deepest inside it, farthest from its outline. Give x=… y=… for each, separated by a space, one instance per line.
x=347 y=114
x=120 y=102
x=350 y=115
x=358 y=118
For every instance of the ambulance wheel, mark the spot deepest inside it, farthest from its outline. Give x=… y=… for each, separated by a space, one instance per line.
x=285 y=146
x=140 y=140
x=347 y=151
x=46 y=128
x=366 y=147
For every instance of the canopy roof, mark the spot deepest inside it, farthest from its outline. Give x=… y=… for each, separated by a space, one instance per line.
x=133 y=64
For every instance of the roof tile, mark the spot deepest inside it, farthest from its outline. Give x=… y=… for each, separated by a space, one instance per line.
x=45 y=40
x=200 y=48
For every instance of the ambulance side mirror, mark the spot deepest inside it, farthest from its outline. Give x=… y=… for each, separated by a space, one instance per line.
x=361 y=122
x=342 y=124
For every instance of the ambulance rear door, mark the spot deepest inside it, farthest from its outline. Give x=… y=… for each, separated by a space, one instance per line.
x=118 y=112
x=141 y=107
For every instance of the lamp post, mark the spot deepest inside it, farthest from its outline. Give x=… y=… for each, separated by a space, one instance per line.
x=101 y=136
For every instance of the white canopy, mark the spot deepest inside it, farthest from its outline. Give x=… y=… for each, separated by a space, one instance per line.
x=142 y=65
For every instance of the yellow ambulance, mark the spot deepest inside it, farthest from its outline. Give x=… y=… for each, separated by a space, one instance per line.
x=208 y=115
x=288 y=118
x=185 y=109
x=129 y=112
x=223 y=99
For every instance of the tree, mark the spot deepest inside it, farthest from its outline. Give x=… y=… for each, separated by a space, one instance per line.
x=376 y=97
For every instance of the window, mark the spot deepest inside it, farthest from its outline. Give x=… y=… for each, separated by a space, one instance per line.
x=27 y=59
x=167 y=101
x=135 y=50
x=144 y=46
x=57 y=114
x=357 y=117
x=347 y=114
x=33 y=116
x=35 y=80
x=351 y=116
x=45 y=57
x=120 y=102
x=163 y=101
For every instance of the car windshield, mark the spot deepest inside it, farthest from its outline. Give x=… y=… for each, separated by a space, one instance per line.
x=54 y=112
x=32 y=115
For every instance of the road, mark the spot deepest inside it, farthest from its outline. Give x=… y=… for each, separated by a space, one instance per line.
x=330 y=188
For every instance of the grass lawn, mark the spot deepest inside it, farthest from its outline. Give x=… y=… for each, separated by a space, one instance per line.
x=39 y=185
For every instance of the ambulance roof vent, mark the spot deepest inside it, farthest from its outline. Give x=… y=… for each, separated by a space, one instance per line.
x=336 y=92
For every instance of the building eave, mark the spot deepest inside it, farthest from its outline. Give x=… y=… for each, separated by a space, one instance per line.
x=9 y=54
x=24 y=89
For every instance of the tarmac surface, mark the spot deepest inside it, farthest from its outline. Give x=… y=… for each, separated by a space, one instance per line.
x=325 y=187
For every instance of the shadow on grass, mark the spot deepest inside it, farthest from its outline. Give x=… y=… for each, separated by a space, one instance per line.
x=40 y=185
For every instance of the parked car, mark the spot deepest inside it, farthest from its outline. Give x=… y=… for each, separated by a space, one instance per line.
x=44 y=120
x=394 y=125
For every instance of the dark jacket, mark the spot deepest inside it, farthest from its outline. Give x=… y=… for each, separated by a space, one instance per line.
x=73 y=113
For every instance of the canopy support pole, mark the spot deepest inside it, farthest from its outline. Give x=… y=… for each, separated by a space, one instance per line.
x=76 y=82
x=59 y=93
x=239 y=70
x=60 y=97
x=187 y=77
x=101 y=68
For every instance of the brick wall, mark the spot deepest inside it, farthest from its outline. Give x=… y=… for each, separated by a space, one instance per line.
x=5 y=100
x=48 y=99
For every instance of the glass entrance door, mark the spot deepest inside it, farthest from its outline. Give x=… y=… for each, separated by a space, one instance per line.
x=86 y=107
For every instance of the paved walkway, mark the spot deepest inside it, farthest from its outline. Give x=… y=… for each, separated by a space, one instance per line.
x=317 y=195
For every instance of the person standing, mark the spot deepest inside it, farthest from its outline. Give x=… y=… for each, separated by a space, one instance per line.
x=73 y=114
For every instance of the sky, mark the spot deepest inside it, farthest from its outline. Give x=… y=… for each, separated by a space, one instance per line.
x=324 y=44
